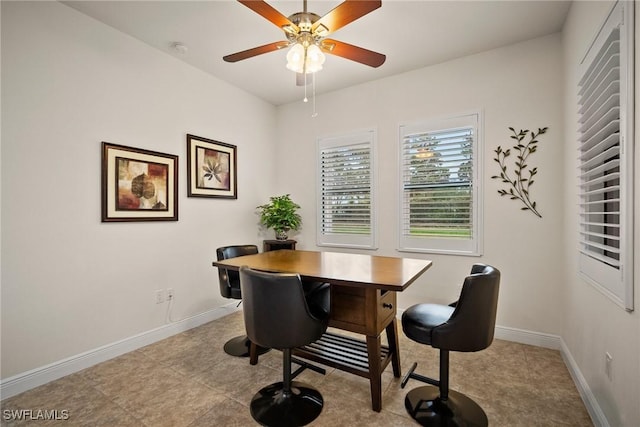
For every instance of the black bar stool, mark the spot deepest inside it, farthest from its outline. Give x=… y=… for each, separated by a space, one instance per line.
x=277 y=315
x=230 y=288
x=466 y=325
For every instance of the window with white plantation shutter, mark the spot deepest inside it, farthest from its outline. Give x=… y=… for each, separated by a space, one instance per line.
x=440 y=207
x=605 y=144
x=346 y=213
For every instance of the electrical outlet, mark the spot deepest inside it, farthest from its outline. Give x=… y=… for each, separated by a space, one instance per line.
x=159 y=296
x=607 y=366
x=169 y=294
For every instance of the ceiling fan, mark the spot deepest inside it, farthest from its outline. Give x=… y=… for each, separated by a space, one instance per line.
x=306 y=32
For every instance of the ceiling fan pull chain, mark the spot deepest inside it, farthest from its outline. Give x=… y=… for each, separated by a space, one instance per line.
x=313 y=95
x=305 y=88
x=304 y=70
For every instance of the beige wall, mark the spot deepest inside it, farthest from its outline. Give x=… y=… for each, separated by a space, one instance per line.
x=70 y=283
x=518 y=86
x=592 y=323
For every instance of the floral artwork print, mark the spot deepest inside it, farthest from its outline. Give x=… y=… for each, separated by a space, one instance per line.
x=141 y=185
x=213 y=169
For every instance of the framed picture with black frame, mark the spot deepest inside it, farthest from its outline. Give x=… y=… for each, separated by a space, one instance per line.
x=138 y=185
x=211 y=168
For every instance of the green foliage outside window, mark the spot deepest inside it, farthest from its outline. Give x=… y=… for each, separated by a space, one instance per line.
x=440 y=187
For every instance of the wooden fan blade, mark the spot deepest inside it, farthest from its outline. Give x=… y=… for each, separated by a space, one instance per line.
x=354 y=53
x=343 y=14
x=249 y=53
x=268 y=12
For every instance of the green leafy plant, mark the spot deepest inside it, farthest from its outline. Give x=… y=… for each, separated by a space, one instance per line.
x=280 y=214
x=521 y=183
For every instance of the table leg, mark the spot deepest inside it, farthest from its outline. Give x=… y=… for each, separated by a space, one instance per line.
x=394 y=347
x=375 y=371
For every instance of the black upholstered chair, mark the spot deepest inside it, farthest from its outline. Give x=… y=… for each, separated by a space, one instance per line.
x=466 y=325
x=230 y=288
x=276 y=315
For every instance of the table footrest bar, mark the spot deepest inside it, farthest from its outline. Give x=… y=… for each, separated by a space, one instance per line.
x=304 y=365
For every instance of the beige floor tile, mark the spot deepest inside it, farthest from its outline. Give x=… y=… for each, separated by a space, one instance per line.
x=227 y=413
x=187 y=380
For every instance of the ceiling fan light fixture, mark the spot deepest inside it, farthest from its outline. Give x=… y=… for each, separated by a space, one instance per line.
x=315 y=59
x=295 y=58
x=301 y=59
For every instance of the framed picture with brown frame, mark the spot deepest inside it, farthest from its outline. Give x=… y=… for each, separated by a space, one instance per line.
x=138 y=185
x=211 y=168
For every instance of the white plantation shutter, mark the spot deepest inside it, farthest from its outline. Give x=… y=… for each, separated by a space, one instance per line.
x=605 y=144
x=346 y=190
x=346 y=202
x=440 y=206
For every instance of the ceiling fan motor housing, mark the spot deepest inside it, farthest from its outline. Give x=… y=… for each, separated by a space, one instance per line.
x=303 y=34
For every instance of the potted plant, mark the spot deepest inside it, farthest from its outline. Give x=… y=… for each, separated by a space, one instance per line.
x=280 y=214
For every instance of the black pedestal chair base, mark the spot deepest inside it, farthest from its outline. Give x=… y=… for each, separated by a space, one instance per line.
x=239 y=347
x=274 y=407
x=428 y=409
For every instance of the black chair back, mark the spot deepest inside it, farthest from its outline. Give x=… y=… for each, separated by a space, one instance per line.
x=276 y=313
x=229 y=279
x=472 y=324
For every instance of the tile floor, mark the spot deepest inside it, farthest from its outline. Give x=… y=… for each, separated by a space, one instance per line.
x=187 y=380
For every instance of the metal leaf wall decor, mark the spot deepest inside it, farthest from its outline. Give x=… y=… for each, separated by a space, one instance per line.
x=519 y=186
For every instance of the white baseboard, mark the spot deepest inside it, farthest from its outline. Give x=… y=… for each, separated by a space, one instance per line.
x=39 y=376
x=528 y=337
x=590 y=402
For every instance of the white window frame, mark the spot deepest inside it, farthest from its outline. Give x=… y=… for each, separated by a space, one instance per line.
x=450 y=246
x=356 y=241
x=616 y=282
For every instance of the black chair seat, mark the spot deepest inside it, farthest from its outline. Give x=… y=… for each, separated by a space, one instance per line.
x=419 y=320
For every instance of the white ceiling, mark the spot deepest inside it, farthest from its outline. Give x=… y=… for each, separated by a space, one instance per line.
x=412 y=34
